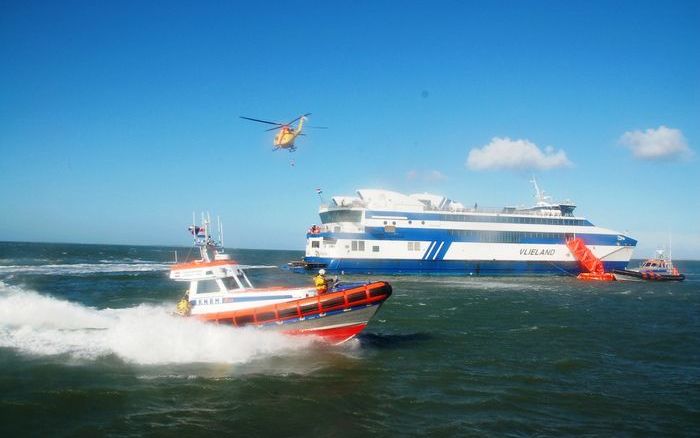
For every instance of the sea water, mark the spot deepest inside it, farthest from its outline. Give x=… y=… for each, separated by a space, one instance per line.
x=89 y=346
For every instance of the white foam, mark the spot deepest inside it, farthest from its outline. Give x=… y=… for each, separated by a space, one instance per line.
x=42 y=325
x=83 y=268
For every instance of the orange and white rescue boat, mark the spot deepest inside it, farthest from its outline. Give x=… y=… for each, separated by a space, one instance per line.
x=220 y=292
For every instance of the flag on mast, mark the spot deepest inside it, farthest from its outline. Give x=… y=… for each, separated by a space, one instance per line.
x=196 y=230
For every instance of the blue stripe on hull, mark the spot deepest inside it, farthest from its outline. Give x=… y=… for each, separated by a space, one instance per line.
x=453 y=267
x=551 y=237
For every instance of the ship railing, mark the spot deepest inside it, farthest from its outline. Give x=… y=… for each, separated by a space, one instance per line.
x=519 y=210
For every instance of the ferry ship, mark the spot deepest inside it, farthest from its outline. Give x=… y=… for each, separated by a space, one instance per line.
x=385 y=232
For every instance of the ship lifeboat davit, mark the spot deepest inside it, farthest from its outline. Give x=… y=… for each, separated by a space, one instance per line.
x=593 y=266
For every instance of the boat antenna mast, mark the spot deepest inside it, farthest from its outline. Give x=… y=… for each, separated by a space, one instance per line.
x=220 y=247
x=540 y=196
x=202 y=237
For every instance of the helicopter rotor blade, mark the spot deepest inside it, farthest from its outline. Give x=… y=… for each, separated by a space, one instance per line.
x=275 y=128
x=303 y=115
x=262 y=121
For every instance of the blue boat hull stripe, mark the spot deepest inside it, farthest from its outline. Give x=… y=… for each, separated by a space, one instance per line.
x=430 y=247
x=455 y=267
x=483 y=236
x=438 y=250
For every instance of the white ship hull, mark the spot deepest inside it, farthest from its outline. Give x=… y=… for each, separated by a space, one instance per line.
x=401 y=237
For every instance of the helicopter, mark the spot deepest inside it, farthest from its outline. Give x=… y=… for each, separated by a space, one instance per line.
x=287 y=134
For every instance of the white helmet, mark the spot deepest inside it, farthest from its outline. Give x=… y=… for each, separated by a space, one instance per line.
x=322 y=271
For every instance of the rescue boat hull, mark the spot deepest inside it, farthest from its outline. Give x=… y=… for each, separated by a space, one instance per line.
x=629 y=275
x=336 y=316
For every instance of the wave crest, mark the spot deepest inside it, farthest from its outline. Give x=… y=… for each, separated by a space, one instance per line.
x=36 y=324
x=83 y=268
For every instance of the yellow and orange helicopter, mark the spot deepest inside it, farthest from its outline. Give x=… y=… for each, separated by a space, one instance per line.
x=287 y=133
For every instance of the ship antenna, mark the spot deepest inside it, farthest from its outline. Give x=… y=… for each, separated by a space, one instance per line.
x=194 y=228
x=221 y=232
x=538 y=193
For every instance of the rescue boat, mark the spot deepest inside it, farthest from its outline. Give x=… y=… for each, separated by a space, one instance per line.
x=658 y=268
x=220 y=292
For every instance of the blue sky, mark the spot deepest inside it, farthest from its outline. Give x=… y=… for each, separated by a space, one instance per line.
x=117 y=120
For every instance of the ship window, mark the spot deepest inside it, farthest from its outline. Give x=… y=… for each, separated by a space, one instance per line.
x=413 y=246
x=341 y=216
x=230 y=283
x=385 y=222
x=422 y=222
x=375 y=248
x=358 y=245
x=315 y=244
x=410 y=222
x=207 y=287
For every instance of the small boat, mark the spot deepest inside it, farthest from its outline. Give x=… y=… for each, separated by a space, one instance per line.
x=659 y=268
x=221 y=292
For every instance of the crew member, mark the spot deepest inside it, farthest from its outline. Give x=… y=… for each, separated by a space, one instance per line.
x=184 y=306
x=321 y=282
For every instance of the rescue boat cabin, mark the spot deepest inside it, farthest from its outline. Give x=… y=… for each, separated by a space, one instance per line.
x=219 y=275
x=219 y=284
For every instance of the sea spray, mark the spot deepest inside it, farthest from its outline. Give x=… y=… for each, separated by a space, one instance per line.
x=35 y=324
x=83 y=268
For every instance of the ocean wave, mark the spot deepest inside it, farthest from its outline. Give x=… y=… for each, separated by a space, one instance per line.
x=41 y=325
x=83 y=268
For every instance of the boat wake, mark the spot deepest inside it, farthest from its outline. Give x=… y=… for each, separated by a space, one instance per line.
x=40 y=325
x=83 y=268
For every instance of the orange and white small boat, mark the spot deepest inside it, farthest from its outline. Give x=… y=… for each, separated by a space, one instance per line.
x=220 y=292
x=658 y=268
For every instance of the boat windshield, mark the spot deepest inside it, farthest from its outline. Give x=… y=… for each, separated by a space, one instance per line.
x=230 y=283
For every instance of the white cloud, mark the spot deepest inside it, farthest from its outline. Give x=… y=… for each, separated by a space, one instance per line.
x=429 y=175
x=656 y=144
x=504 y=153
